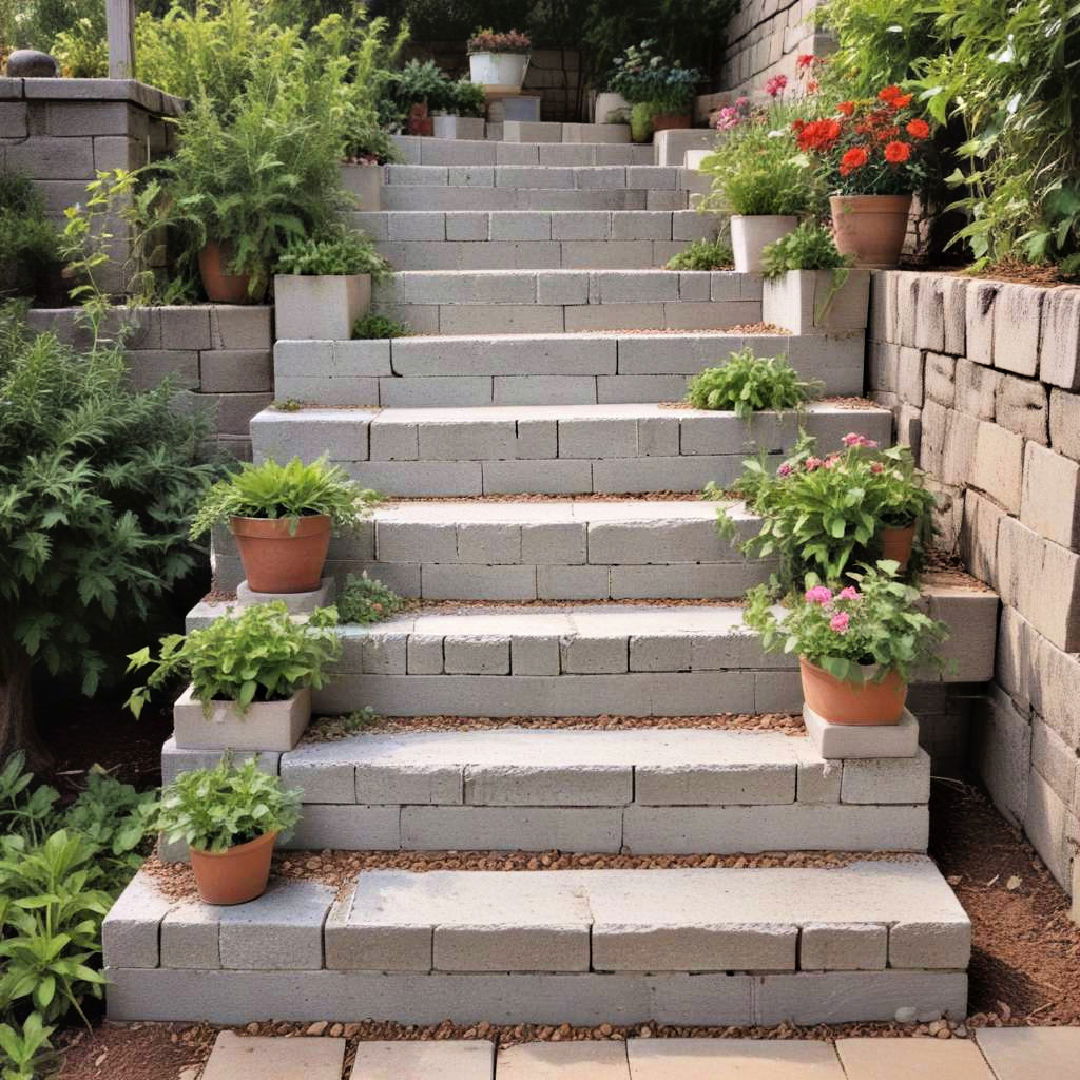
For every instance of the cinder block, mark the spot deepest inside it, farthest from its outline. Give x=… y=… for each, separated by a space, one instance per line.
x=1050 y=503
x=581 y=225
x=535 y=655
x=228 y=371
x=240 y=327
x=412 y=783
x=996 y=465
x=189 y=936
x=1059 y=347
x=843 y=947
x=129 y=933
x=887 y=780
x=1022 y=407
x=511 y=828
x=348 y=828
x=660 y=652
x=1017 y=320
x=477 y=655
x=981 y=301
x=540 y=785
x=931 y=945
x=45 y=157
x=1003 y=754
x=594 y=655
x=755 y=784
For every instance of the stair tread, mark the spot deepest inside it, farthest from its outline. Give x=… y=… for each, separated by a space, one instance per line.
x=538 y=512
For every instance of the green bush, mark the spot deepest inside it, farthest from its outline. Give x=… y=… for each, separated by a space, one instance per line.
x=28 y=240
x=746 y=384
x=704 y=255
x=466 y=98
x=422 y=81
x=375 y=327
x=261 y=654
x=337 y=251
x=367 y=600
x=219 y=808
x=645 y=77
x=807 y=247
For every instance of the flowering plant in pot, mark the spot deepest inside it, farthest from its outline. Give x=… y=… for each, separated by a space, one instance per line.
x=660 y=92
x=871 y=155
x=250 y=677
x=282 y=517
x=498 y=61
x=229 y=816
x=857 y=643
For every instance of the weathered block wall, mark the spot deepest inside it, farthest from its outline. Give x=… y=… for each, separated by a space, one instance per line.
x=984 y=378
x=764 y=39
x=221 y=358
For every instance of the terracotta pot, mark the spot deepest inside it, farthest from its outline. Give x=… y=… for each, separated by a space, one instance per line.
x=879 y=704
x=670 y=122
x=222 y=287
x=871 y=228
x=419 y=123
x=234 y=876
x=277 y=561
x=897 y=542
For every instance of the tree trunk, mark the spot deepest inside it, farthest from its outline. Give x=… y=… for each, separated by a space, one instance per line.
x=17 y=730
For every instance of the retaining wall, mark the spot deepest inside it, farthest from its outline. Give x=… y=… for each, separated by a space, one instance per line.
x=765 y=37
x=984 y=379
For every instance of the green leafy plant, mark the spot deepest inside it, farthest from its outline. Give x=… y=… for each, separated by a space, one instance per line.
x=422 y=81
x=375 y=327
x=367 y=600
x=219 y=808
x=23 y=1047
x=293 y=490
x=808 y=247
x=487 y=40
x=466 y=98
x=747 y=384
x=337 y=251
x=861 y=631
x=29 y=257
x=704 y=254
x=82 y=51
x=644 y=76
x=260 y=654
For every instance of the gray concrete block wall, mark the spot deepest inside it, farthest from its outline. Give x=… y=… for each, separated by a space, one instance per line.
x=983 y=377
x=765 y=38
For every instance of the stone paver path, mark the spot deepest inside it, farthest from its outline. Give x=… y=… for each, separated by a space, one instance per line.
x=997 y=1054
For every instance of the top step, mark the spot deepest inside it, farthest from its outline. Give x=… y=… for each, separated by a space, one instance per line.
x=428 y=151
x=568 y=178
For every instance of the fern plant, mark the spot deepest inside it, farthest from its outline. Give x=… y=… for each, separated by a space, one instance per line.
x=375 y=327
x=704 y=254
x=367 y=600
x=747 y=384
x=336 y=251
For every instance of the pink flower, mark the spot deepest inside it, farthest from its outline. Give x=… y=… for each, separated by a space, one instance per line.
x=727 y=119
x=819 y=594
x=853 y=438
x=877 y=467
x=813 y=463
x=839 y=622
x=849 y=592
x=832 y=461
x=784 y=470
x=775 y=86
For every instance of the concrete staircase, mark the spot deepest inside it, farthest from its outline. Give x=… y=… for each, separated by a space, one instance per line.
x=541 y=486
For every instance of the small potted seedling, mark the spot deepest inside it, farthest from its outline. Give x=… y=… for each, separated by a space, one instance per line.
x=281 y=517
x=250 y=677
x=229 y=816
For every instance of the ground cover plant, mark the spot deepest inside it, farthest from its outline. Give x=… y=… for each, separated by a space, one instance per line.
x=704 y=254
x=375 y=327
x=367 y=600
x=747 y=384
x=336 y=251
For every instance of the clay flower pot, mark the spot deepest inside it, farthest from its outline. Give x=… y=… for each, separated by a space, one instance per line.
x=897 y=542
x=418 y=122
x=236 y=875
x=870 y=228
x=670 y=122
x=853 y=704
x=222 y=287
x=277 y=560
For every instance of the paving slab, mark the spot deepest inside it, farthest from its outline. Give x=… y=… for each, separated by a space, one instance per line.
x=739 y=1059
x=586 y=1060
x=456 y=1059
x=1032 y=1053
x=912 y=1059
x=235 y=1057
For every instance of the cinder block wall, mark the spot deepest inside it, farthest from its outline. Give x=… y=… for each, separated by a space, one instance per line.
x=984 y=379
x=764 y=39
x=221 y=358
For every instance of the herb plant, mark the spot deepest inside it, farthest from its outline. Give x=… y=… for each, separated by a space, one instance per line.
x=466 y=98
x=260 y=654
x=747 y=384
x=704 y=254
x=336 y=251
x=219 y=808
x=857 y=632
x=294 y=490
x=367 y=600
x=375 y=327
x=487 y=40
x=808 y=247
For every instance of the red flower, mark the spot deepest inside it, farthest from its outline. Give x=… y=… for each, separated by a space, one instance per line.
x=776 y=85
x=918 y=129
x=897 y=151
x=804 y=61
x=846 y=107
x=797 y=126
x=853 y=159
x=813 y=86
x=890 y=93
x=902 y=102
x=819 y=135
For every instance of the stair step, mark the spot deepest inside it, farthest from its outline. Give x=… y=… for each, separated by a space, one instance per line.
x=416 y=197
x=547 y=449
x=868 y=941
x=542 y=369
x=636 y=791
x=422 y=150
x=545 y=177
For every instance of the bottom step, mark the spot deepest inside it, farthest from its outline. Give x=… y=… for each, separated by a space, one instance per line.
x=872 y=940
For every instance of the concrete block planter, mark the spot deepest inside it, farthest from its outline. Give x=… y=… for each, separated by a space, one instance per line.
x=319 y=307
x=267 y=725
x=611 y=108
x=458 y=127
x=365 y=182
x=751 y=233
x=806 y=301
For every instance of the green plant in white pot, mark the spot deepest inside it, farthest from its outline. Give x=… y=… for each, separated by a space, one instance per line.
x=322 y=285
x=462 y=116
x=498 y=61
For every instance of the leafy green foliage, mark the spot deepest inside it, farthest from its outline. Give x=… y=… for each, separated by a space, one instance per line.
x=422 y=81
x=747 y=384
x=644 y=76
x=219 y=808
x=367 y=600
x=808 y=247
x=873 y=620
x=294 y=490
x=23 y=1047
x=704 y=254
x=28 y=240
x=82 y=51
x=466 y=98
x=337 y=251
x=375 y=327
x=261 y=654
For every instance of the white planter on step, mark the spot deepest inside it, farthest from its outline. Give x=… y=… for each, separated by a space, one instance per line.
x=498 y=73
x=611 y=109
x=804 y=301
x=267 y=725
x=751 y=234
x=458 y=127
x=319 y=307
x=365 y=182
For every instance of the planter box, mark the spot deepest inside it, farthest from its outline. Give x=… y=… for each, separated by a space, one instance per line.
x=365 y=182
x=458 y=127
x=267 y=725
x=797 y=301
x=317 y=307
x=611 y=108
x=498 y=73
x=752 y=233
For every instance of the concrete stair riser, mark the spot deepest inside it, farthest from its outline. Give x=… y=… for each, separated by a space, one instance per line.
x=534 y=177
x=416 y=197
x=457 y=152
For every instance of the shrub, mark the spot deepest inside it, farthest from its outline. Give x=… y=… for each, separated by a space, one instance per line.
x=643 y=76
x=487 y=40
x=808 y=247
x=82 y=51
x=367 y=600
x=466 y=98
x=219 y=808
x=336 y=251
x=417 y=82
x=375 y=327
x=747 y=384
x=261 y=654
x=28 y=240
x=704 y=255
x=294 y=490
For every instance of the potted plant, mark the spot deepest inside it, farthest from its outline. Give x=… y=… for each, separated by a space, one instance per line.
x=660 y=92
x=902 y=503
x=870 y=155
x=368 y=149
x=322 y=285
x=809 y=285
x=463 y=115
x=229 y=816
x=420 y=88
x=282 y=517
x=761 y=179
x=498 y=61
x=857 y=643
x=251 y=676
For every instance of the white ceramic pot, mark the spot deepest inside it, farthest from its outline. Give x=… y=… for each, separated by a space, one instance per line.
x=752 y=233
x=311 y=307
x=498 y=73
x=611 y=109
x=267 y=725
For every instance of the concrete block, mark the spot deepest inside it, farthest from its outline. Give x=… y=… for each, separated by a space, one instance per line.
x=240 y=327
x=511 y=828
x=280 y=930
x=535 y=655
x=928 y=945
x=879 y=781
x=693 y=948
x=1003 y=753
x=981 y=301
x=347 y=828
x=129 y=932
x=467 y=225
x=1055 y=761
x=1065 y=423
x=1050 y=502
x=581 y=225
x=996 y=465
x=587 y=655
x=1022 y=407
x=939 y=378
x=1017 y=321
x=843 y=947
x=477 y=655
x=235 y=370
x=720 y=785
x=872 y=741
x=52 y=158
x=189 y=936
x=540 y=785
x=1059 y=347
